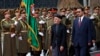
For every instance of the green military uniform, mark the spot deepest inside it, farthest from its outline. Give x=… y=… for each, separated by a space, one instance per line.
x=96 y=22
x=9 y=43
x=16 y=20
x=69 y=32
x=49 y=23
x=22 y=32
x=43 y=29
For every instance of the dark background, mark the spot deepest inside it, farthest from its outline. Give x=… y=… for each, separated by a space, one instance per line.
x=6 y=4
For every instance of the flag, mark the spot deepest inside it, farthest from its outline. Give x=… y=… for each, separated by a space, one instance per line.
x=32 y=24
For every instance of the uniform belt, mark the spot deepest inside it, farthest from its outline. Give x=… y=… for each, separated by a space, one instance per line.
x=23 y=31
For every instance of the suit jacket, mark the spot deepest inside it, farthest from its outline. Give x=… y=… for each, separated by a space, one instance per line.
x=58 y=38
x=82 y=35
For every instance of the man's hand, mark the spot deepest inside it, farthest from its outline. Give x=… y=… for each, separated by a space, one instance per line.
x=61 y=48
x=51 y=48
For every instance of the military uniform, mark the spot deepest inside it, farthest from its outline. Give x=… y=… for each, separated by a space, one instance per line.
x=43 y=30
x=24 y=46
x=22 y=35
x=87 y=11
x=49 y=23
x=16 y=20
x=96 y=22
x=9 y=43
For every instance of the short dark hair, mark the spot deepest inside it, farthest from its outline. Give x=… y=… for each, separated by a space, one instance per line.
x=75 y=8
x=96 y=7
x=82 y=9
x=87 y=7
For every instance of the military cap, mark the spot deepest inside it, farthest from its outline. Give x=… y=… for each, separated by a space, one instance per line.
x=17 y=10
x=53 y=10
x=68 y=9
x=97 y=7
x=6 y=12
x=87 y=8
x=44 y=9
x=63 y=9
x=37 y=10
x=23 y=11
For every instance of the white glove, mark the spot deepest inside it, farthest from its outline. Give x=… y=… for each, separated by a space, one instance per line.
x=33 y=11
x=12 y=35
x=41 y=22
x=20 y=38
x=15 y=23
x=94 y=48
x=41 y=34
x=42 y=53
x=28 y=54
x=92 y=17
x=68 y=31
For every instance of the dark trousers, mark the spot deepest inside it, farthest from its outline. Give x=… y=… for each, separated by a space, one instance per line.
x=56 y=52
x=81 y=50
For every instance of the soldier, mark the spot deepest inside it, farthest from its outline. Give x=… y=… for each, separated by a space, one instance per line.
x=17 y=14
x=42 y=24
x=62 y=13
x=22 y=35
x=16 y=19
x=43 y=14
x=96 y=20
x=49 y=23
x=68 y=26
x=72 y=18
x=87 y=11
x=68 y=16
x=8 y=35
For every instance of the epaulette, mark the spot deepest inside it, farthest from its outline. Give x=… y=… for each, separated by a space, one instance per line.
x=2 y=20
x=13 y=18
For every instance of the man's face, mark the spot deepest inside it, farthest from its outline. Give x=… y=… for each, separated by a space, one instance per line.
x=23 y=15
x=80 y=12
x=44 y=13
x=7 y=16
x=96 y=10
x=17 y=14
x=67 y=11
x=87 y=11
x=62 y=13
x=36 y=15
x=57 y=20
x=49 y=14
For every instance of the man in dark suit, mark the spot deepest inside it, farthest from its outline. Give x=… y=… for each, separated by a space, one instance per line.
x=82 y=33
x=58 y=37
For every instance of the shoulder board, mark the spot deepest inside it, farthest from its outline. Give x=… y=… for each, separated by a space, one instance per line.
x=13 y=18
x=3 y=20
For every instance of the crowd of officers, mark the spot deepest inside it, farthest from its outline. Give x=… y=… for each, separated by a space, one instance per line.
x=14 y=31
